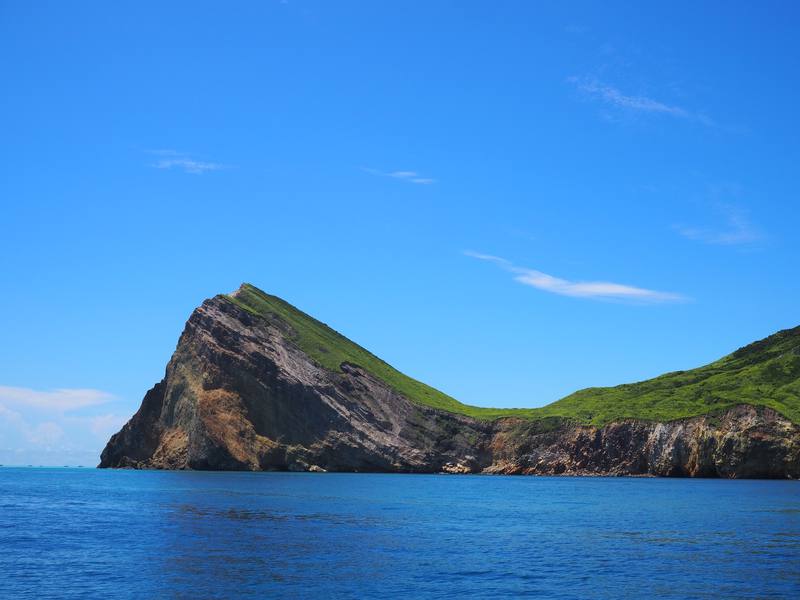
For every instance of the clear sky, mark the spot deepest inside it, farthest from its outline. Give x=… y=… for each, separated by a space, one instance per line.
x=507 y=200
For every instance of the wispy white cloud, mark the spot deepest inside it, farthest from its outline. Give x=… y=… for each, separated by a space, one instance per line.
x=601 y=290
x=104 y=426
x=409 y=176
x=170 y=159
x=612 y=96
x=737 y=230
x=55 y=426
x=60 y=400
x=195 y=167
x=43 y=433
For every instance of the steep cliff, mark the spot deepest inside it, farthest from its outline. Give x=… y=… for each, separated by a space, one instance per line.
x=255 y=384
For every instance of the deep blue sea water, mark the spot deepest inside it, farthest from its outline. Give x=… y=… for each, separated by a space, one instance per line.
x=86 y=533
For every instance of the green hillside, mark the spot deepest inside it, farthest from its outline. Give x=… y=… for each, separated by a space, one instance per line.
x=765 y=373
x=330 y=349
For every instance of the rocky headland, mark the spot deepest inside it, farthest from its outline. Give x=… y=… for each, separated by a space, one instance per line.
x=255 y=384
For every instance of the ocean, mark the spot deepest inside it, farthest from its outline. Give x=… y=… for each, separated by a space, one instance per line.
x=88 y=533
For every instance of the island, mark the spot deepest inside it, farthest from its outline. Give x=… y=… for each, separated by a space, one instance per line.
x=256 y=384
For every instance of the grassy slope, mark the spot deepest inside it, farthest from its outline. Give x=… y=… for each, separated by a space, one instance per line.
x=330 y=349
x=765 y=373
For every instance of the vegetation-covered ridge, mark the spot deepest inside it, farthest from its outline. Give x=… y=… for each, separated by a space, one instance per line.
x=765 y=373
x=330 y=349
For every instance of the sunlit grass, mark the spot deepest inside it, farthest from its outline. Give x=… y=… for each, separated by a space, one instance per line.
x=766 y=373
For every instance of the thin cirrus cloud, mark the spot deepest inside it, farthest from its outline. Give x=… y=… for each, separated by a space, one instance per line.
x=59 y=400
x=407 y=176
x=613 y=97
x=597 y=290
x=738 y=229
x=171 y=159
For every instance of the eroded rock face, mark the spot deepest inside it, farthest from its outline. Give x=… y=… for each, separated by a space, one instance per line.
x=238 y=394
x=744 y=442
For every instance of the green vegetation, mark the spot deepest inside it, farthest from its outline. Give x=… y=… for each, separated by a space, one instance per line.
x=765 y=373
x=330 y=349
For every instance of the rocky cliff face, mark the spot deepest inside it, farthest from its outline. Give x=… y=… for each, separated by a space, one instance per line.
x=744 y=442
x=239 y=394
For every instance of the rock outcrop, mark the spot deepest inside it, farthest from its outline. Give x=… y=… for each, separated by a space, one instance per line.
x=240 y=394
x=743 y=442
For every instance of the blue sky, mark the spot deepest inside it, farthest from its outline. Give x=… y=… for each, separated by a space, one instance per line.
x=509 y=201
